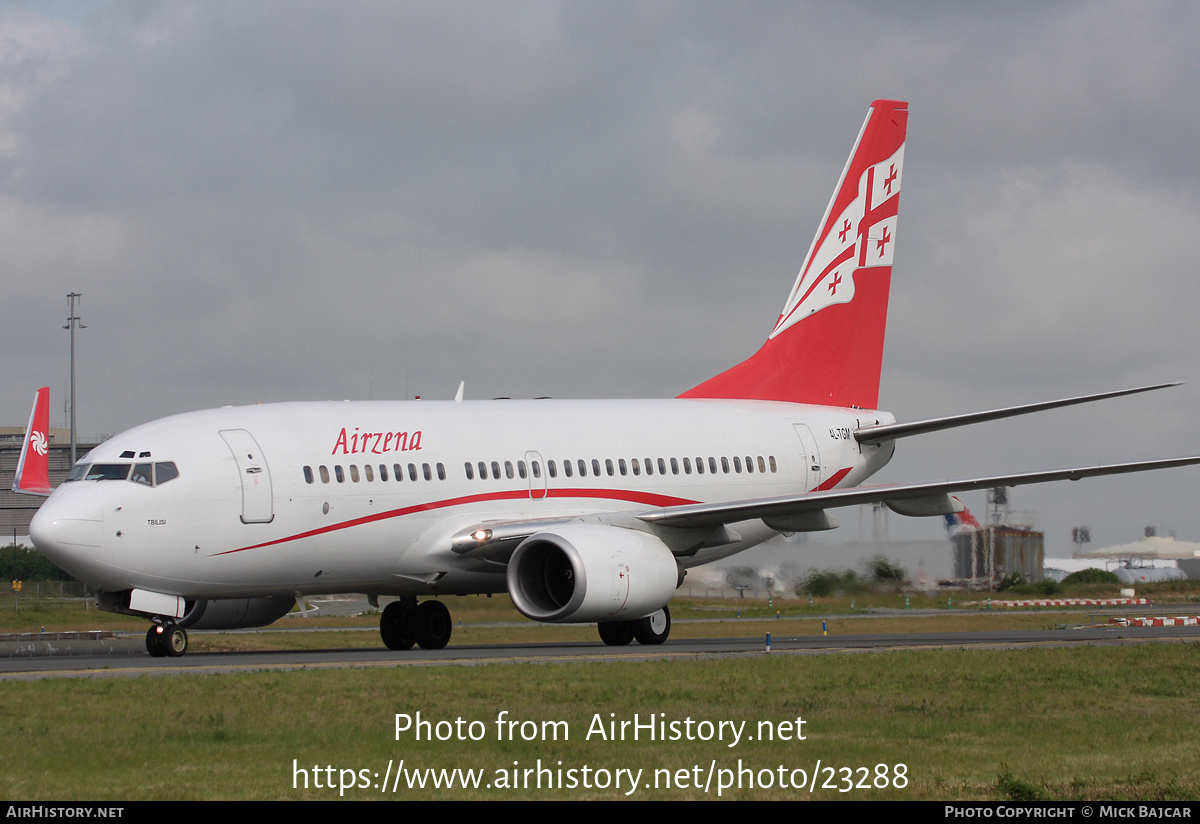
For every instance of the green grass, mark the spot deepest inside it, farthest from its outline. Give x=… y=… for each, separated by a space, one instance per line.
x=1079 y=723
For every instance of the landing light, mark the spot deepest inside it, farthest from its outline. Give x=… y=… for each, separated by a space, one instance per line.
x=481 y=535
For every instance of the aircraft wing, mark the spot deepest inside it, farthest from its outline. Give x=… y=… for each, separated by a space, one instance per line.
x=495 y=540
x=910 y=499
x=892 y=431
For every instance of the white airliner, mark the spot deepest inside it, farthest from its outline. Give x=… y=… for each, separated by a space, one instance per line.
x=583 y=511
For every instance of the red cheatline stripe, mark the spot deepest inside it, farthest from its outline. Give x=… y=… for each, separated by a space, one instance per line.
x=833 y=480
x=633 y=496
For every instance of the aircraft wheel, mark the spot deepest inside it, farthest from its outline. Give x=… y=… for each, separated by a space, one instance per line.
x=615 y=633
x=433 y=625
x=653 y=629
x=396 y=625
x=155 y=644
x=174 y=640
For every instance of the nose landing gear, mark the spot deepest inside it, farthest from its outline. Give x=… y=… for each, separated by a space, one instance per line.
x=166 y=639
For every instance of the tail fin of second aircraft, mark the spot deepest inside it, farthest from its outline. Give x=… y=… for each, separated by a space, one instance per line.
x=827 y=346
x=33 y=467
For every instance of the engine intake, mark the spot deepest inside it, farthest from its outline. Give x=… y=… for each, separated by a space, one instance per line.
x=584 y=573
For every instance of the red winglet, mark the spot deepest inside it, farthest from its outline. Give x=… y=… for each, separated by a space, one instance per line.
x=33 y=468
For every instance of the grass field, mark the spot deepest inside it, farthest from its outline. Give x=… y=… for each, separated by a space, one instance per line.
x=1081 y=723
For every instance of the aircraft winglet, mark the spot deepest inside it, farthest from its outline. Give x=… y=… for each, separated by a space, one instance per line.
x=33 y=467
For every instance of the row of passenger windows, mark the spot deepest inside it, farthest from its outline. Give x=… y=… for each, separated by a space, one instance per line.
x=368 y=473
x=611 y=468
x=569 y=469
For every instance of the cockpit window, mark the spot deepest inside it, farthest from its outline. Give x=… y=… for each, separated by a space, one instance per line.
x=147 y=474
x=142 y=474
x=107 y=472
x=165 y=471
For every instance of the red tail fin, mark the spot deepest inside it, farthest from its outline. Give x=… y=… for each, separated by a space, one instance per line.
x=827 y=346
x=33 y=467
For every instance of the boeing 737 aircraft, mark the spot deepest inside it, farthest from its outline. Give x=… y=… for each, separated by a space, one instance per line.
x=583 y=511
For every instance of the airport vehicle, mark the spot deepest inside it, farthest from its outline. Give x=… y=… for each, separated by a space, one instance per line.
x=583 y=511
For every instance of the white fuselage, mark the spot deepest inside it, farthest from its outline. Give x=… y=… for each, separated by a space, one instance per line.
x=327 y=502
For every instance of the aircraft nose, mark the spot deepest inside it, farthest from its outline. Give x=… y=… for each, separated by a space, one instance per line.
x=68 y=525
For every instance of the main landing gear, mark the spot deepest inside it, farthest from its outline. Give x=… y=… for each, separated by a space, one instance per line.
x=405 y=622
x=649 y=631
x=166 y=639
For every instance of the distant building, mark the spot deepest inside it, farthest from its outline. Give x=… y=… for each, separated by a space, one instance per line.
x=994 y=552
x=1136 y=558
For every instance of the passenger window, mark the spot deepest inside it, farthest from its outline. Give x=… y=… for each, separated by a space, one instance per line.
x=508 y=470
x=761 y=466
x=596 y=468
x=368 y=473
x=662 y=466
x=496 y=470
x=441 y=471
x=308 y=476
x=339 y=474
x=425 y=471
x=398 y=472
x=469 y=470
x=608 y=466
x=749 y=464
x=536 y=468
x=773 y=467
x=383 y=472
x=712 y=465
x=521 y=470
x=142 y=474
x=482 y=470
x=699 y=466
x=737 y=464
x=567 y=468
x=582 y=468
x=354 y=472
x=724 y=466
x=412 y=472
x=324 y=470
x=674 y=466
x=552 y=468
x=637 y=467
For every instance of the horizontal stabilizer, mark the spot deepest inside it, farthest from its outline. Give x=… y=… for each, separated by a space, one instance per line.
x=892 y=431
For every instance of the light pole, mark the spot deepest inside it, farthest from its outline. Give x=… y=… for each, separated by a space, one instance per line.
x=73 y=324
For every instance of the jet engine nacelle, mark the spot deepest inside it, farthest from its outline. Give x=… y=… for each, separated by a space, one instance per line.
x=236 y=613
x=584 y=573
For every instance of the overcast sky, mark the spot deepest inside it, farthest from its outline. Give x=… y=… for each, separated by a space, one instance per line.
x=268 y=201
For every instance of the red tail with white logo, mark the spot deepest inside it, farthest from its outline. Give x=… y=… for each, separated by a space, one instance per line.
x=827 y=347
x=33 y=468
